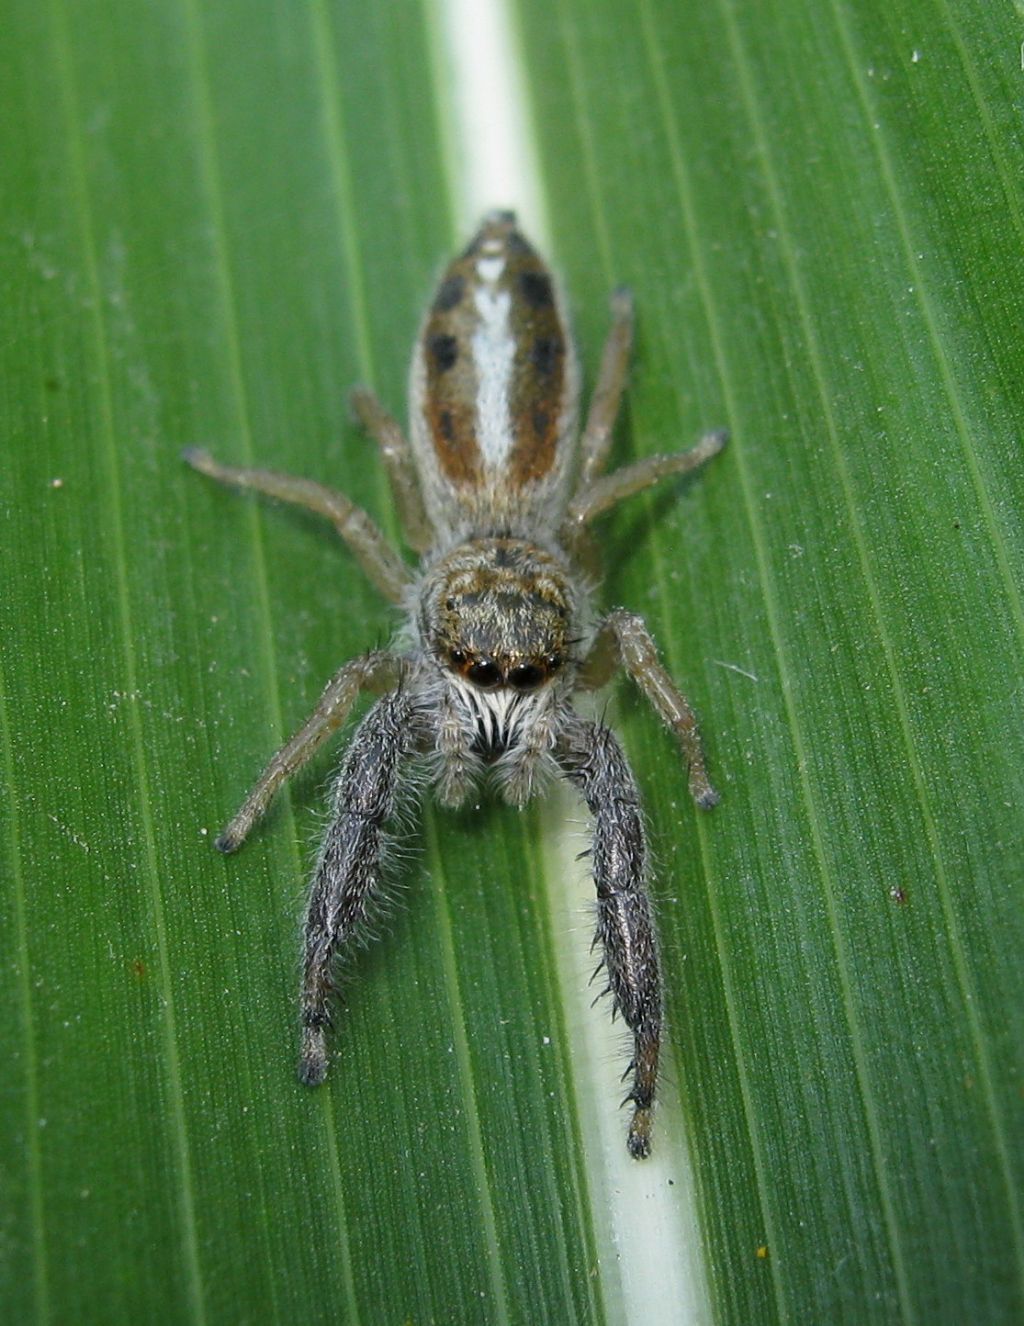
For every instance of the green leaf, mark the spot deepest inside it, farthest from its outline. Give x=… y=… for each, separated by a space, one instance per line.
x=216 y=219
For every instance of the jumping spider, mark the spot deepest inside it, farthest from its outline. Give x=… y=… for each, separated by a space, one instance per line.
x=500 y=631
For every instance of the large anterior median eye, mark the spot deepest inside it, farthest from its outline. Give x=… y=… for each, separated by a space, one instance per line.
x=485 y=673
x=525 y=676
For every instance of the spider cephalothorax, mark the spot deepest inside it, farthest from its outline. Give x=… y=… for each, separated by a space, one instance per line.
x=496 y=615
x=496 y=492
x=498 y=612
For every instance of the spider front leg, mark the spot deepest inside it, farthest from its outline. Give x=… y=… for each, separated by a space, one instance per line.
x=374 y=671
x=348 y=873
x=623 y=640
x=595 y=763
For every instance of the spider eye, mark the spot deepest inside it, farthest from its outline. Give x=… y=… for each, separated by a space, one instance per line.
x=457 y=657
x=485 y=673
x=552 y=662
x=526 y=676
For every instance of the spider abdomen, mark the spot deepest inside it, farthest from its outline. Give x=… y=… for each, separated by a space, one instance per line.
x=494 y=387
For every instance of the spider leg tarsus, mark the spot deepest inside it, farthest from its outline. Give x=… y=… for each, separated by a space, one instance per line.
x=638 y=1140
x=313 y=1061
x=707 y=799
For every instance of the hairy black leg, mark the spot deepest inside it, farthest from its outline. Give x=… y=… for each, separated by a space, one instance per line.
x=595 y=763
x=348 y=872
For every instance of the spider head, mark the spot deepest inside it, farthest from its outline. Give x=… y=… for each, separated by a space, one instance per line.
x=497 y=615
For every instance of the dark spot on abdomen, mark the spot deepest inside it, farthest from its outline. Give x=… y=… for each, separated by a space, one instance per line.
x=536 y=289
x=544 y=354
x=444 y=350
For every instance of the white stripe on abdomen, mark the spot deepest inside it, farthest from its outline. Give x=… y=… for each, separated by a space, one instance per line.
x=494 y=352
